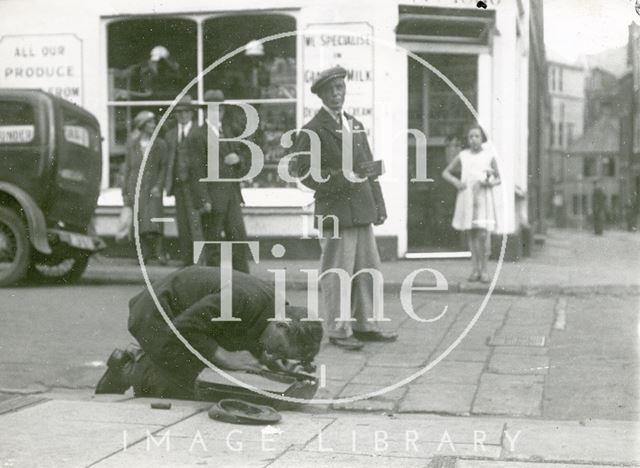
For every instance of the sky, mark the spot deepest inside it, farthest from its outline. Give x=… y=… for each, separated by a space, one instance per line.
x=579 y=27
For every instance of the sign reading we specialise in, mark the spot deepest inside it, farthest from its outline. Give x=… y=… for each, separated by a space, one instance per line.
x=349 y=45
x=51 y=62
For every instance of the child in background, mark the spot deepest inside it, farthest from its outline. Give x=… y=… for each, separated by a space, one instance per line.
x=475 y=208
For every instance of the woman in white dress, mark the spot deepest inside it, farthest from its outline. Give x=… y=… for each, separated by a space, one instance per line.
x=475 y=207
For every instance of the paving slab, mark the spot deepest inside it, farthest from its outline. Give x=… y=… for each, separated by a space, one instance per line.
x=519 y=364
x=412 y=436
x=188 y=452
x=529 y=350
x=464 y=353
x=450 y=398
x=296 y=459
x=398 y=359
x=519 y=395
x=511 y=464
x=594 y=441
x=382 y=376
x=461 y=372
x=77 y=433
x=385 y=402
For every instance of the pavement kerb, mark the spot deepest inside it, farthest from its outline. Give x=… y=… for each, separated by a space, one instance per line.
x=393 y=287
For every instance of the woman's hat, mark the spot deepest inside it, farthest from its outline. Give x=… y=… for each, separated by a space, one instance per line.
x=142 y=118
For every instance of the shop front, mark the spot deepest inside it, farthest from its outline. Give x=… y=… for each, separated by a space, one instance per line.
x=121 y=58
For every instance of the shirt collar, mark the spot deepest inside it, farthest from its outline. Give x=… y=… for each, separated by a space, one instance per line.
x=335 y=115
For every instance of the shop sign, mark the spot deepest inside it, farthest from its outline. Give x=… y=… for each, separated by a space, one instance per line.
x=51 y=62
x=349 y=45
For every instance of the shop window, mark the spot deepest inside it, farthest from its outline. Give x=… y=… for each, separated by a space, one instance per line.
x=149 y=62
x=150 y=59
x=263 y=75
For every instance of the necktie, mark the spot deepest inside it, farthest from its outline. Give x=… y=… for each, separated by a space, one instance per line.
x=180 y=130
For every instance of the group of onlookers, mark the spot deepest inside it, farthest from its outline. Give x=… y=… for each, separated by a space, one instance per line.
x=175 y=165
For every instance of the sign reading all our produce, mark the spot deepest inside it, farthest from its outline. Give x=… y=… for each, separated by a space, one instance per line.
x=51 y=62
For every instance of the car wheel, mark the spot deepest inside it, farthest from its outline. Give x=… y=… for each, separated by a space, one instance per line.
x=15 y=247
x=66 y=270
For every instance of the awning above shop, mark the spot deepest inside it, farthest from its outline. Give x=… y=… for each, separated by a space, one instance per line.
x=427 y=29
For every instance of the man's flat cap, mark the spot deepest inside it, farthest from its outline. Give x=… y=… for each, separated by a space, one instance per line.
x=326 y=76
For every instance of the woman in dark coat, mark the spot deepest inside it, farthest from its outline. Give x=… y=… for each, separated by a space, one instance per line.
x=150 y=195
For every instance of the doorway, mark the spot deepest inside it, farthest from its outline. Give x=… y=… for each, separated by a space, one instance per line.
x=435 y=109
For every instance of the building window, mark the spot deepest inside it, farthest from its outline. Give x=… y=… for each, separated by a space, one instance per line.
x=552 y=73
x=151 y=60
x=609 y=166
x=589 y=167
x=570 y=132
x=584 y=208
x=575 y=205
x=560 y=135
x=553 y=134
x=560 y=79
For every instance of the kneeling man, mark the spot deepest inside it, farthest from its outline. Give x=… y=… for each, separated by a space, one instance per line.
x=191 y=298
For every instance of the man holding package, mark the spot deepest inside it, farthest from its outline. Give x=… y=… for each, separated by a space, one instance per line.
x=352 y=200
x=191 y=298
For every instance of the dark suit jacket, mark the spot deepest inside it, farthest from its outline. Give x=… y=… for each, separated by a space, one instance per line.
x=221 y=193
x=354 y=204
x=191 y=298
x=193 y=144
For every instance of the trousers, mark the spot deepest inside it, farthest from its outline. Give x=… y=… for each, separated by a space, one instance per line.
x=355 y=250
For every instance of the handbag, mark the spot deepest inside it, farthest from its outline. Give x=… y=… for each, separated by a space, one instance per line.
x=125 y=223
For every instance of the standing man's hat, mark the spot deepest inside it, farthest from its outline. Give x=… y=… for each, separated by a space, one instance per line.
x=326 y=76
x=185 y=103
x=142 y=118
x=214 y=95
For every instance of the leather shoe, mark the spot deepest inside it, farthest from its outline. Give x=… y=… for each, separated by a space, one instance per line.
x=113 y=380
x=376 y=336
x=349 y=343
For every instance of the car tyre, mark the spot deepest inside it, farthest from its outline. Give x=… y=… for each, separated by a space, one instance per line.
x=15 y=247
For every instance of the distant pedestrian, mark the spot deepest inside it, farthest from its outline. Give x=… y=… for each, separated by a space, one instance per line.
x=353 y=206
x=150 y=195
x=599 y=208
x=475 y=207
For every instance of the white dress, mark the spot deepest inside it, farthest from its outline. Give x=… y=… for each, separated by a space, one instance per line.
x=475 y=206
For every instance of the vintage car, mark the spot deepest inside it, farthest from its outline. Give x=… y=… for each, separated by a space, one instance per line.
x=50 y=169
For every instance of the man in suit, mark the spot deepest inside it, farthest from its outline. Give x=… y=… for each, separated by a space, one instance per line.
x=182 y=178
x=191 y=298
x=355 y=203
x=224 y=222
